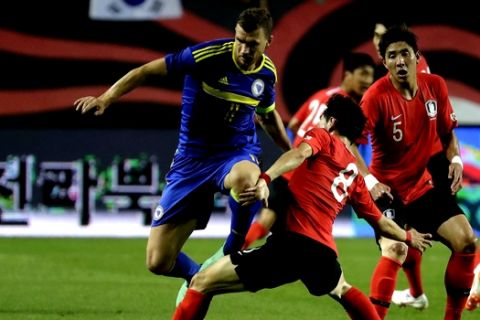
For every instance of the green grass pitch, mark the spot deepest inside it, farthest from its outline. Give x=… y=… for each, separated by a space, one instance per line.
x=68 y=278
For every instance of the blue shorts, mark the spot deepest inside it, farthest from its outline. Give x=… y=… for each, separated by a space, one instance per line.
x=191 y=186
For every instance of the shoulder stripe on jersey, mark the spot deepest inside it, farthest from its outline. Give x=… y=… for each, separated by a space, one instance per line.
x=270 y=66
x=210 y=51
x=266 y=110
x=213 y=47
x=229 y=96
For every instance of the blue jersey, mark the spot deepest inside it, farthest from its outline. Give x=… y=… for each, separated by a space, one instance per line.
x=220 y=100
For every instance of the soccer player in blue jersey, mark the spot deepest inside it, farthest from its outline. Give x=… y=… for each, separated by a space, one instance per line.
x=228 y=82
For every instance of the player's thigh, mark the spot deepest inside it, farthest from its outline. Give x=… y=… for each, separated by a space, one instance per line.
x=275 y=263
x=458 y=234
x=322 y=274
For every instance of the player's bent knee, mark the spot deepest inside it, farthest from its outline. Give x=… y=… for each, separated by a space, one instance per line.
x=158 y=266
x=395 y=250
x=466 y=244
x=199 y=282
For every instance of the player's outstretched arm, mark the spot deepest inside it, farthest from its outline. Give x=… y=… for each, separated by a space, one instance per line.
x=411 y=237
x=272 y=124
x=286 y=162
x=377 y=189
x=127 y=83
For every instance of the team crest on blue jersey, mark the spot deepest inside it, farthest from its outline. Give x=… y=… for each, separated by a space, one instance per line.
x=158 y=213
x=257 y=87
x=431 y=106
x=389 y=213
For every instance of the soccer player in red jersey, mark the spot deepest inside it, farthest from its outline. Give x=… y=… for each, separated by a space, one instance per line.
x=438 y=167
x=414 y=296
x=406 y=112
x=358 y=71
x=325 y=177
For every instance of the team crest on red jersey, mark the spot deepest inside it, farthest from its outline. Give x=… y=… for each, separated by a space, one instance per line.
x=431 y=106
x=389 y=213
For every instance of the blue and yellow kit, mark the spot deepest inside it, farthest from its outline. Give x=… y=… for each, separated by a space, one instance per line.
x=219 y=99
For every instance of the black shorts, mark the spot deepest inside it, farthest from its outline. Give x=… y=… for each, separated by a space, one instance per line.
x=425 y=214
x=279 y=200
x=287 y=257
x=438 y=167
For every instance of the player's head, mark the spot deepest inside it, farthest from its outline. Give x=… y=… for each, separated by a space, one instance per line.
x=381 y=25
x=358 y=73
x=345 y=116
x=397 y=33
x=399 y=51
x=253 y=34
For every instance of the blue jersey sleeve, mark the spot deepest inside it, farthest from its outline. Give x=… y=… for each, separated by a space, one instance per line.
x=180 y=62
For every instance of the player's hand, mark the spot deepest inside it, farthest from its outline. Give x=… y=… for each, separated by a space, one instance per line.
x=381 y=190
x=420 y=241
x=251 y=195
x=455 y=172
x=86 y=103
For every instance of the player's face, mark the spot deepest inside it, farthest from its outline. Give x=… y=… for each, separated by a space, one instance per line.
x=323 y=122
x=249 y=47
x=401 y=62
x=378 y=32
x=361 y=79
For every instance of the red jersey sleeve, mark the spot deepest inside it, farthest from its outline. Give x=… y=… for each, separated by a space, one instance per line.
x=317 y=138
x=447 y=119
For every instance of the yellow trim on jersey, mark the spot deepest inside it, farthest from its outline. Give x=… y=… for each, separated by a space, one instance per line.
x=229 y=96
x=246 y=71
x=210 y=51
x=265 y=110
x=270 y=66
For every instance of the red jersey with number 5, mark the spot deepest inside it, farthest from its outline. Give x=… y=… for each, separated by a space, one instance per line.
x=322 y=185
x=403 y=132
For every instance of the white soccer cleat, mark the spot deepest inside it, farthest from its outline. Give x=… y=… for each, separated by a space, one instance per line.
x=473 y=301
x=403 y=298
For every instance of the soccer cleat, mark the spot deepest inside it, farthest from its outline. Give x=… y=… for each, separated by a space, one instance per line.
x=403 y=298
x=473 y=301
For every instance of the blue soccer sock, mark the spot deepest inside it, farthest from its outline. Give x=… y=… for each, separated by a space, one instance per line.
x=184 y=267
x=242 y=217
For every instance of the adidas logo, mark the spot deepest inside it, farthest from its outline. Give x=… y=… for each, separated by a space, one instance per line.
x=223 y=80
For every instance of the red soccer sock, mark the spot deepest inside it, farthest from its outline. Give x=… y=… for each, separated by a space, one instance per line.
x=458 y=280
x=383 y=283
x=412 y=268
x=193 y=307
x=256 y=231
x=358 y=305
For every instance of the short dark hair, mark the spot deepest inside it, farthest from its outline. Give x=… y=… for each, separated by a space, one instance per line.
x=252 y=19
x=350 y=120
x=354 y=60
x=397 y=33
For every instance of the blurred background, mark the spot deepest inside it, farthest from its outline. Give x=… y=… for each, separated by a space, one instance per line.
x=57 y=165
